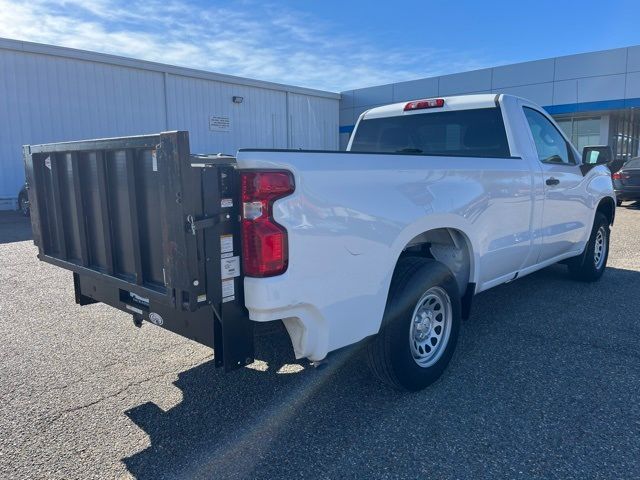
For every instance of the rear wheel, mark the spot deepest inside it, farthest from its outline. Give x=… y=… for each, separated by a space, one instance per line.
x=420 y=326
x=590 y=266
x=618 y=202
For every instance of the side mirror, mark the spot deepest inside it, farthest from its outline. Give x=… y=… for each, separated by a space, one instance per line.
x=595 y=155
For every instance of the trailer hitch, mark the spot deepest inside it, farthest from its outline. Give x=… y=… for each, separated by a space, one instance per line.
x=137 y=320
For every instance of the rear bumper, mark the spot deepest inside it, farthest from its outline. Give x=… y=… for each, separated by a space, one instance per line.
x=268 y=299
x=628 y=193
x=319 y=318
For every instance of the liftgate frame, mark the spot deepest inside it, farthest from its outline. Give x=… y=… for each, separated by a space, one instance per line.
x=148 y=228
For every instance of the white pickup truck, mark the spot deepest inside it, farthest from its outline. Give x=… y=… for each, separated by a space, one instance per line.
x=434 y=201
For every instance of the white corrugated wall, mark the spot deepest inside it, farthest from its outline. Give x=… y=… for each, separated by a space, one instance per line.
x=313 y=122
x=50 y=99
x=259 y=121
x=72 y=95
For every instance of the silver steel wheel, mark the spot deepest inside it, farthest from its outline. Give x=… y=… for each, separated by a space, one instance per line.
x=600 y=248
x=430 y=326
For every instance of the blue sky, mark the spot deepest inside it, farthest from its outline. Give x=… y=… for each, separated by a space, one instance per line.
x=332 y=45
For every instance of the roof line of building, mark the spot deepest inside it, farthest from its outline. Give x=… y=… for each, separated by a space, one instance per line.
x=86 y=55
x=493 y=67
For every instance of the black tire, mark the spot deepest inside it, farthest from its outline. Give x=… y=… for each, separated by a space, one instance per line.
x=588 y=267
x=390 y=352
x=23 y=204
x=618 y=202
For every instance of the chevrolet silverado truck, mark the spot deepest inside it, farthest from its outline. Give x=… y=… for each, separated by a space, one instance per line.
x=433 y=202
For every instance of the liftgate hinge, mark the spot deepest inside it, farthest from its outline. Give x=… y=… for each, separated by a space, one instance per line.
x=193 y=225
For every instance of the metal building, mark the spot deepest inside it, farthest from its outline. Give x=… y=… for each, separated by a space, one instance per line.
x=593 y=96
x=51 y=94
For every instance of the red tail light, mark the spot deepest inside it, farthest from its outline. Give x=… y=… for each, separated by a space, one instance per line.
x=265 y=249
x=422 y=104
x=617 y=176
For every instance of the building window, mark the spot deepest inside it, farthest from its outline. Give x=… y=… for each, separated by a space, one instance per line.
x=624 y=134
x=582 y=131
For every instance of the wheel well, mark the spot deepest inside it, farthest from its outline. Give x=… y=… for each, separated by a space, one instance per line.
x=447 y=245
x=608 y=207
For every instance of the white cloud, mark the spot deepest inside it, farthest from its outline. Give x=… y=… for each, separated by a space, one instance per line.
x=250 y=40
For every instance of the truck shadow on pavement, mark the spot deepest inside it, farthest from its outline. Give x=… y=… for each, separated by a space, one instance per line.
x=227 y=423
x=14 y=227
x=521 y=394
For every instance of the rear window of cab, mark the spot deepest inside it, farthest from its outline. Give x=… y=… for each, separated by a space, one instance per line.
x=468 y=133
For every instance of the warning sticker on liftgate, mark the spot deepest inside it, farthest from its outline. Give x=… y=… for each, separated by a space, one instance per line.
x=226 y=243
x=226 y=202
x=154 y=160
x=228 y=287
x=230 y=267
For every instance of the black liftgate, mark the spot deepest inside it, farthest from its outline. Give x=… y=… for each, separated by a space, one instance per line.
x=147 y=228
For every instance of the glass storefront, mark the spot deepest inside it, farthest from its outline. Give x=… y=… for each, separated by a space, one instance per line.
x=624 y=134
x=621 y=128
x=582 y=131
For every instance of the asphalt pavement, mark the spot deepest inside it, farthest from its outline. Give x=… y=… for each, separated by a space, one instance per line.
x=545 y=383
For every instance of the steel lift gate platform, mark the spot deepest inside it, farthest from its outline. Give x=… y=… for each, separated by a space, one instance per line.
x=148 y=228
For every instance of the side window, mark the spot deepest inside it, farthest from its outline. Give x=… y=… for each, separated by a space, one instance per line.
x=550 y=144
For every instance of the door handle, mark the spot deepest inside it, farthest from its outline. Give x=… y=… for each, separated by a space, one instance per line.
x=552 y=181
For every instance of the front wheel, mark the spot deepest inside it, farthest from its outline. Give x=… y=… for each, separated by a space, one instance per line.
x=618 y=202
x=590 y=266
x=420 y=326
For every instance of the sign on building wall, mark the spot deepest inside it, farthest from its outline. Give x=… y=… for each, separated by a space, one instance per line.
x=218 y=123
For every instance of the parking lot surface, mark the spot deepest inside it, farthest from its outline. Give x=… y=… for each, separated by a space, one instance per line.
x=545 y=384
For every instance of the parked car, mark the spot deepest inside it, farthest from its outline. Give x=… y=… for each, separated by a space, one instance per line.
x=23 y=202
x=435 y=201
x=626 y=181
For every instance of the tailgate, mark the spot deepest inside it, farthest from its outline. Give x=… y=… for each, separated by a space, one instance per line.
x=148 y=228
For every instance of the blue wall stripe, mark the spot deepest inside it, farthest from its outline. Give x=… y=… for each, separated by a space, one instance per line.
x=618 y=104
x=593 y=106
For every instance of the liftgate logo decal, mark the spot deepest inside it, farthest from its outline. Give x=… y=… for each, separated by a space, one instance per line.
x=156 y=318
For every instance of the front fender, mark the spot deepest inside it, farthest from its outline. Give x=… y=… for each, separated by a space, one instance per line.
x=599 y=188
